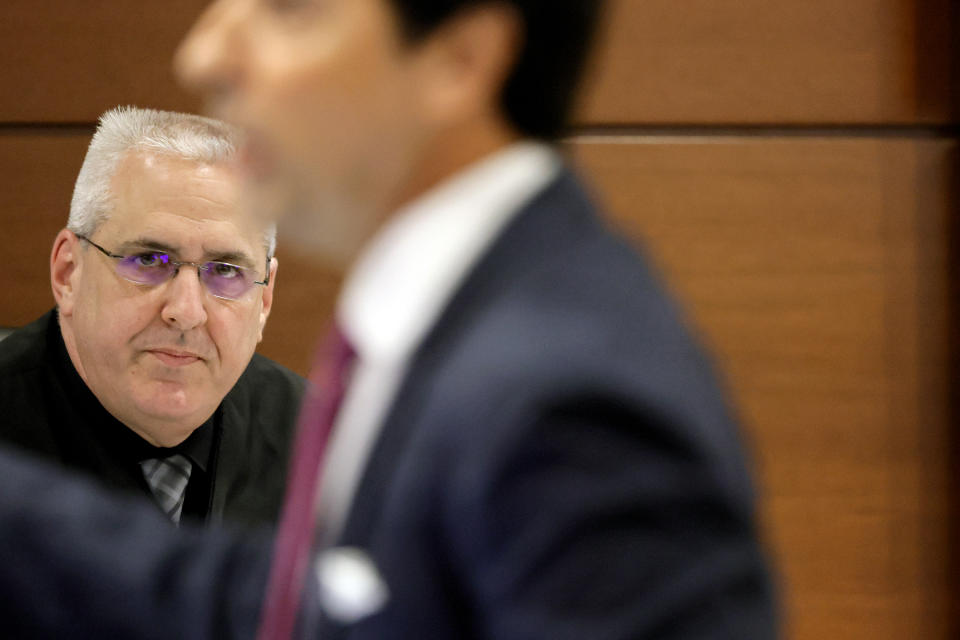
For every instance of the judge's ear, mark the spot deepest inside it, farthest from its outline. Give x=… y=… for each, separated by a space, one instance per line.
x=267 y=299
x=467 y=61
x=65 y=270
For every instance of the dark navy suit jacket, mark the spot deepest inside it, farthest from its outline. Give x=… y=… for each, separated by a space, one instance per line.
x=560 y=463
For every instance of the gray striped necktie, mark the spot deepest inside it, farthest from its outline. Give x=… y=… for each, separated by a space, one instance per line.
x=168 y=478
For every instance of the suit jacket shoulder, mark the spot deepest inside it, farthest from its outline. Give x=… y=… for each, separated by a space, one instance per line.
x=560 y=455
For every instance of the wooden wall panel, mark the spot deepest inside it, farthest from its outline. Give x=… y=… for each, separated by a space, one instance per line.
x=818 y=272
x=38 y=170
x=67 y=61
x=303 y=304
x=756 y=61
x=662 y=61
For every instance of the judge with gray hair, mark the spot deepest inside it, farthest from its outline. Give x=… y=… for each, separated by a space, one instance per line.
x=144 y=375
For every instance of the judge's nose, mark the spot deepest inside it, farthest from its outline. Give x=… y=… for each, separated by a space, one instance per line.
x=183 y=306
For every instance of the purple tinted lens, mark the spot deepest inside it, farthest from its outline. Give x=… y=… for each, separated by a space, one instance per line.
x=221 y=279
x=226 y=280
x=146 y=268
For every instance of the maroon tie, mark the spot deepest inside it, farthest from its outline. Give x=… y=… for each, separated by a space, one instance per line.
x=291 y=551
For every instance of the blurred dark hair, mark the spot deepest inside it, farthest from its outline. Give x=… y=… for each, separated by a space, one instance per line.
x=539 y=93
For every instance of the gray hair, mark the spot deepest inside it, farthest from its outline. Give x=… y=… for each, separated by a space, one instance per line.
x=126 y=129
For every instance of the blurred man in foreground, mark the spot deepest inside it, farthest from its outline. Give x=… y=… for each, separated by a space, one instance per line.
x=145 y=375
x=529 y=445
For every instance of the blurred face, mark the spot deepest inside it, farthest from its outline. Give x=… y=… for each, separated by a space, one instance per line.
x=328 y=95
x=161 y=358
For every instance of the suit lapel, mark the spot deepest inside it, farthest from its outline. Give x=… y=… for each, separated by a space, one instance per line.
x=559 y=217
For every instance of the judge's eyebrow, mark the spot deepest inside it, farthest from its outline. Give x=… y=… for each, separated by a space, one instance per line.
x=147 y=244
x=237 y=258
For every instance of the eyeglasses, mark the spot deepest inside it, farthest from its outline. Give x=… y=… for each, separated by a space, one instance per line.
x=222 y=279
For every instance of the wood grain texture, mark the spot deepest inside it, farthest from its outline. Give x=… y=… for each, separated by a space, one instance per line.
x=70 y=61
x=38 y=170
x=818 y=270
x=757 y=62
x=661 y=61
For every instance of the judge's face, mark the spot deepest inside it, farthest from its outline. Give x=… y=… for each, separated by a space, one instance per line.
x=161 y=357
x=326 y=91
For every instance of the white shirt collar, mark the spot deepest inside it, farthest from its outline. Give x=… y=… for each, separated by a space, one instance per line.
x=409 y=271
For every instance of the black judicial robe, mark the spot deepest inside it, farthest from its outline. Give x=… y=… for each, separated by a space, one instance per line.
x=239 y=455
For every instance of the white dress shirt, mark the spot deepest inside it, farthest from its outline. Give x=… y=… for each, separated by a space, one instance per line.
x=400 y=285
